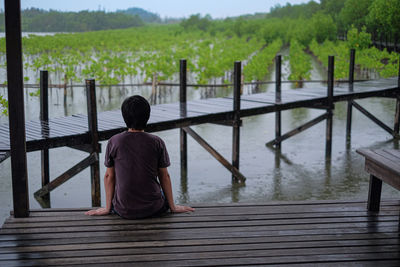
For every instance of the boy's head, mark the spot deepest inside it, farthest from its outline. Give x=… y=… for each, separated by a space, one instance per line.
x=136 y=112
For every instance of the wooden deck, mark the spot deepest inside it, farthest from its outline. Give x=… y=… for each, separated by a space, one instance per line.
x=73 y=130
x=335 y=233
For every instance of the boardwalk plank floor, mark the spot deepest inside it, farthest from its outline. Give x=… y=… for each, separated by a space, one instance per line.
x=73 y=130
x=306 y=233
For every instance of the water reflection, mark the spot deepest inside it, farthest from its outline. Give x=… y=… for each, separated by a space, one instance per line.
x=296 y=172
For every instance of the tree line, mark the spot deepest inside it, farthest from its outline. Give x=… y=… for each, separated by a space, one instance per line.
x=321 y=21
x=39 y=20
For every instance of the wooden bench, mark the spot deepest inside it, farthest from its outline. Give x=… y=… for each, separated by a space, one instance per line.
x=382 y=165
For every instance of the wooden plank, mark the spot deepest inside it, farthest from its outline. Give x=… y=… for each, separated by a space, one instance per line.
x=200 y=227
x=290 y=235
x=235 y=209
x=382 y=162
x=184 y=224
x=81 y=219
x=323 y=247
x=276 y=241
x=279 y=256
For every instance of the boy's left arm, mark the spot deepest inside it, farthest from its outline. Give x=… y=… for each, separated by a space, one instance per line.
x=109 y=185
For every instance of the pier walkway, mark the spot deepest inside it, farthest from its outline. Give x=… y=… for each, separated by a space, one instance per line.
x=73 y=130
x=334 y=233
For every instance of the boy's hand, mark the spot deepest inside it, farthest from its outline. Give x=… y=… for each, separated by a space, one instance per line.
x=98 y=212
x=180 y=209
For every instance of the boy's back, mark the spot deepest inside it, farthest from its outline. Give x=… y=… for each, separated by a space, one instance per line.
x=136 y=157
x=134 y=160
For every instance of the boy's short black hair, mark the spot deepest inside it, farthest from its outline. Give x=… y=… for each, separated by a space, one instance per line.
x=136 y=112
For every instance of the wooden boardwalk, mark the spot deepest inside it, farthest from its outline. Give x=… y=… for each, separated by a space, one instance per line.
x=335 y=233
x=73 y=130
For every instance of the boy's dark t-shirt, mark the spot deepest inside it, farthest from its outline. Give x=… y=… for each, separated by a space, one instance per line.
x=136 y=157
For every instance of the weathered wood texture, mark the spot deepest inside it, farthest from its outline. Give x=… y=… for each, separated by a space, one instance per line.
x=309 y=233
x=16 y=108
x=73 y=130
x=44 y=116
x=382 y=165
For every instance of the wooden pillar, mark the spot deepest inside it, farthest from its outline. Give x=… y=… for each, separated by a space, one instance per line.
x=278 y=91
x=331 y=71
x=44 y=118
x=16 y=108
x=95 y=148
x=397 y=115
x=236 y=116
x=349 y=103
x=183 y=113
x=374 y=193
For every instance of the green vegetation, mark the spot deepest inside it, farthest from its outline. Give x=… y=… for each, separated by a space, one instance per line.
x=211 y=46
x=258 y=67
x=300 y=62
x=3 y=106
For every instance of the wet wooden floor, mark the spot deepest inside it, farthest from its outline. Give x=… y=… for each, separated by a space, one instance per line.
x=334 y=233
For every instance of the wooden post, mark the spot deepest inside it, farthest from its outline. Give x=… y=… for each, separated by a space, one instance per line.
x=183 y=113
x=397 y=115
x=44 y=118
x=236 y=116
x=349 y=103
x=16 y=108
x=374 y=193
x=154 y=90
x=92 y=123
x=331 y=71
x=278 y=86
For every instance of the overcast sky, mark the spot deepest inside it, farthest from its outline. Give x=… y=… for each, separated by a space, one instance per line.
x=165 y=8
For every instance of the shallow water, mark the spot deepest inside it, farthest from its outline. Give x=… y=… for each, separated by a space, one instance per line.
x=300 y=172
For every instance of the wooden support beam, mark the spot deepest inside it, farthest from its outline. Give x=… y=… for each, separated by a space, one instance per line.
x=351 y=87
x=93 y=131
x=278 y=92
x=240 y=177
x=12 y=10
x=329 y=111
x=45 y=190
x=85 y=147
x=298 y=130
x=183 y=113
x=230 y=123
x=397 y=115
x=237 y=84
x=375 y=119
x=44 y=117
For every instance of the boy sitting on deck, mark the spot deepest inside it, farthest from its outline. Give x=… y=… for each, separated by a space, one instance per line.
x=134 y=159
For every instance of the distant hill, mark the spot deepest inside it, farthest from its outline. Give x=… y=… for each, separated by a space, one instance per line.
x=145 y=15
